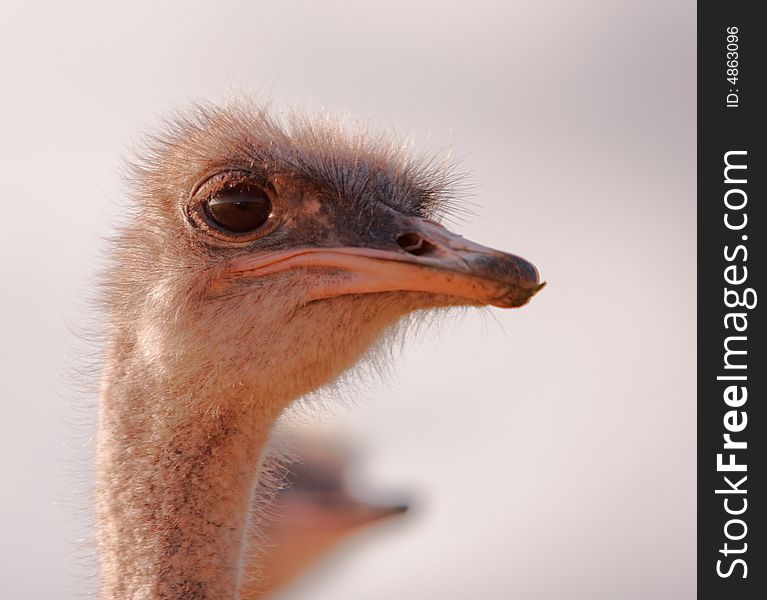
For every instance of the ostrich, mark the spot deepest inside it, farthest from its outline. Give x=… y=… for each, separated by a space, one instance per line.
x=313 y=514
x=262 y=259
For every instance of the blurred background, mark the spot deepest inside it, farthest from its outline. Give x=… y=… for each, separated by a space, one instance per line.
x=546 y=453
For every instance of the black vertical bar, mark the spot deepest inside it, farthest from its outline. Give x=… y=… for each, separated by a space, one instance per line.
x=731 y=223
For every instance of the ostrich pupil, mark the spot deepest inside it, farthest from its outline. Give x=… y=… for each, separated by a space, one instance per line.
x=239 y=209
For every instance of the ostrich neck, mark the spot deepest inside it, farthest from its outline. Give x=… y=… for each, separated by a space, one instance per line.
x=175 y=478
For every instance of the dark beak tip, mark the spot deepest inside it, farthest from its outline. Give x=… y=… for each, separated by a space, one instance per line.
x=528 y=284
x=518 y=295
x=386 y=512
x=534 y=290
x=400 y=508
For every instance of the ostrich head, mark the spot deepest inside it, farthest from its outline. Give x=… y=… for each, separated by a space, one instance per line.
x=270 y=258
x=260 y=262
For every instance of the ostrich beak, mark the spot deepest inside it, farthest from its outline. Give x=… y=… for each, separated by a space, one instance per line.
x=423 y=257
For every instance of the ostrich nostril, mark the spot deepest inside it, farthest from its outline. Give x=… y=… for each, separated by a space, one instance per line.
x=414 y=244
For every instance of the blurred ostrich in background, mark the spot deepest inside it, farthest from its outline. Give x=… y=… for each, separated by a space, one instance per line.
x=313 y=513
x=261 y=261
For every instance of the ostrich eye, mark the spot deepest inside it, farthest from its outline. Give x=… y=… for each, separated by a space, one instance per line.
x=241 y=208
